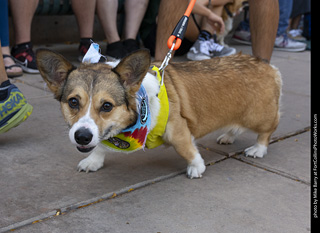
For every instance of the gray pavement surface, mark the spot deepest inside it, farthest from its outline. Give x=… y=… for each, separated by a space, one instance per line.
x=41 y=190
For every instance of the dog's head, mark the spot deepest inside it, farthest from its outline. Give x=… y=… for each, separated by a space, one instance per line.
x=233 y=8
x=97 y=100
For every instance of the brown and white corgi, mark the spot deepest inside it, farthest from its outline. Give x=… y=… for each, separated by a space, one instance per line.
x=98 y=101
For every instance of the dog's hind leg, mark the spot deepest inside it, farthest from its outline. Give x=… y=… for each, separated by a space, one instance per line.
x=94 y=161
x=260 y=148
x=179 y=135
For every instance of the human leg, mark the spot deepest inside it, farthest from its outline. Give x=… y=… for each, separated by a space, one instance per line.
x=14 y=108
x=107 y=13
x=168 y=16
x=22 y=14
x=134 y=10
x=12 y=69
x=84 y=11
x=264 y=19
x=206 y=47
x=282 y=41
x=134 y=13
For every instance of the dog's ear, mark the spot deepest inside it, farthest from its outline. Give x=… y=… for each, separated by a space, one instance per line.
x=133 y=68
x=54 y=69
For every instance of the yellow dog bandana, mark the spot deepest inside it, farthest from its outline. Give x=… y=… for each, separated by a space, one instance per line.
x=154 y=138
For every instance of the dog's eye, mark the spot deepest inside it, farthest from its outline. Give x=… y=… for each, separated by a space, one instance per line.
x=73 y=103
x=106 y=107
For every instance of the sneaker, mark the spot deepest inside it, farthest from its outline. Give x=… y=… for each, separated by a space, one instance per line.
x=25 y=57
x=242 y=36
x=218 y=50
x=283 y=43
x=131 y=45
x=296 y=34
x=116 y=50
x=84 y=47
x=207 y=49
x=14 y=109
x=200 y=50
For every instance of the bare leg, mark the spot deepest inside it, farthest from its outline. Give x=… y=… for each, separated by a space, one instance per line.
x=84 y=11
x=135 y=10
x=107 y=13
x=168 y=16
x=294 y=24
x=264 y=19
x=22 y=14
x=9 y=61
x=3 y=74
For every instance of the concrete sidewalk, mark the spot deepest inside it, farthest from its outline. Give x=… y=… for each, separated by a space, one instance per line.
x=41 y=190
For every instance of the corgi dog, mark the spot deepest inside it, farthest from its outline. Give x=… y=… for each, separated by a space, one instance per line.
x=99 y=101
x=230 y=10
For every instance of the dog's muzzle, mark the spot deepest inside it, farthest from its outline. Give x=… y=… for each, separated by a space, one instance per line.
x=83 y=137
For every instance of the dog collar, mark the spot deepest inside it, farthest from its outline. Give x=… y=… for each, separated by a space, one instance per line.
x=134 y=137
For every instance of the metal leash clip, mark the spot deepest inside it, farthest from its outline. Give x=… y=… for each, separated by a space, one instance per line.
x=176 y=37
x=166 y=62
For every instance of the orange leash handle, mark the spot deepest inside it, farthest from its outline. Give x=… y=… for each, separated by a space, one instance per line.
x=181 y=27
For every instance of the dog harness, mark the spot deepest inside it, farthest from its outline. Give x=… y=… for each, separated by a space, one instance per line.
x=138 y=136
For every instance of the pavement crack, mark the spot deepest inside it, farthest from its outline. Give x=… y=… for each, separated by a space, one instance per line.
x=76 y=206
x=270 y=169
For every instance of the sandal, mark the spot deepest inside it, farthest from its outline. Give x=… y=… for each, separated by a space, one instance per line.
x=11 y=74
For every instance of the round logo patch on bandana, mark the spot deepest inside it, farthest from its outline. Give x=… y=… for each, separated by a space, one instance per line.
x=144 y=111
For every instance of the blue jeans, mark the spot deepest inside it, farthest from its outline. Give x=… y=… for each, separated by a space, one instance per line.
x=285 y=7
x=4 y=23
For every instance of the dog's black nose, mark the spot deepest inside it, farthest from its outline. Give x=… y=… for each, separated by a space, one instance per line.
x=83 y=136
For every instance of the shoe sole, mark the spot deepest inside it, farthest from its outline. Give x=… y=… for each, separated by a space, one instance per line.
x=241 y=41
x=194 y=57
x=18 y=118
x=290 y=49
x=229 y=54
x=28 y=70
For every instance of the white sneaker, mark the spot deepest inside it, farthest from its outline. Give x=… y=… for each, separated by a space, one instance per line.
x=283 y=43
x=218 y=50
x=206 y=49
x=296 y=34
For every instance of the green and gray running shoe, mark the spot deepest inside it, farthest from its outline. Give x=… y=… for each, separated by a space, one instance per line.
x=14 y=109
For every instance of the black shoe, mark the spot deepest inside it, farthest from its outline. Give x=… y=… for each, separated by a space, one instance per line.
x=131 y=45
x=25 y=57
x=116 y=50
x=84 y=47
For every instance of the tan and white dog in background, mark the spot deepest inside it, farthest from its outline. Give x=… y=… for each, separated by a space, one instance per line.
x=236 y=93
x=230 y=10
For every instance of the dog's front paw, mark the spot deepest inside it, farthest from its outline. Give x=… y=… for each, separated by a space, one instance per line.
x=196 y=168
x=90 y=164
x=257 y=150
